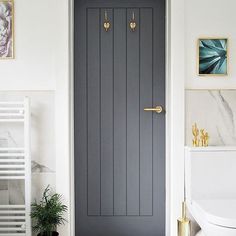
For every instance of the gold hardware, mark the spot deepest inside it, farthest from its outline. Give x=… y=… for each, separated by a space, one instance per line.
x=195 y=132
x=157 y=109
x=204 y=138
x=184 y=226
x=106 y=23
x=132 y=23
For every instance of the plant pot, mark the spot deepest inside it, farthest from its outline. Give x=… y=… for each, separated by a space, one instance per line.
x=54 y=233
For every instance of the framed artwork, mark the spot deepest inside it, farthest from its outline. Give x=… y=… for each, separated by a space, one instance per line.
x=212 y=56
x=6 y=29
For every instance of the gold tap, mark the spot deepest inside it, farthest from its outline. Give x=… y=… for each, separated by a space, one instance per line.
x=195 y=132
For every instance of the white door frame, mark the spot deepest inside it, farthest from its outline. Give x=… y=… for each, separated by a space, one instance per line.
x=175 y=74
x=175 y=97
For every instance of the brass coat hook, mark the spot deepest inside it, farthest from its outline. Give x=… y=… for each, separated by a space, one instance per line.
x=106 y=23
x=132 y=23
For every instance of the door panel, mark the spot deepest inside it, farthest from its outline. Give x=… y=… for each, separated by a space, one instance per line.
x=120 y=112
x=107 y=90
x=133 y=117
x=119 y=148
x=146 y=77
x=93 y=110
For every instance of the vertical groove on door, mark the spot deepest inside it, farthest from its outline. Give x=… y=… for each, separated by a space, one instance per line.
x=126 y=70
x=120 y=95
x=152 y=106
x=139 y=23
x=146 y=77
x=133 y=116
x=113 y=108
x=93 y=106
x=106 y=116
x=100 y=119
x=87 y=109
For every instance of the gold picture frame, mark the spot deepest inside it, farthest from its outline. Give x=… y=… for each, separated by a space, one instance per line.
x=223 y=61
x=7 y=38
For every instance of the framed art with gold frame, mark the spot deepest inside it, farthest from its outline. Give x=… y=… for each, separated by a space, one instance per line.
x=6 y=29
x=212 y=56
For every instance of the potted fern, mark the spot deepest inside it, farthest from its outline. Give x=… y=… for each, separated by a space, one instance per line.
x=48 y=214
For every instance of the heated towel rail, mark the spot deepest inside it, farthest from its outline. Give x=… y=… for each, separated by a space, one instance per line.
x=15 y=164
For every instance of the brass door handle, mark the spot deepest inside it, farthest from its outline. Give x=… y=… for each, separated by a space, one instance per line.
x=157 y=109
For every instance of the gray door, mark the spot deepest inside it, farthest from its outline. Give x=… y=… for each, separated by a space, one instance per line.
x=119 y=147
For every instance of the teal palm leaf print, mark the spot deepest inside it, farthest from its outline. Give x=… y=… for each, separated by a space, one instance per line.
x=213 y=56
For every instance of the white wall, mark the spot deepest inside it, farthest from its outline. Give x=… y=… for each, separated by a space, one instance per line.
x=37 y=31
x=209 y=18
x=41 y=63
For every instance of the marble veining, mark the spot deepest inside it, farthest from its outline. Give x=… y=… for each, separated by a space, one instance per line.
x=227 y=115
x=214 y=110
x=37 y=168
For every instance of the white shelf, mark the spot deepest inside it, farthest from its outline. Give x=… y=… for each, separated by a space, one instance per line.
x=211 y=148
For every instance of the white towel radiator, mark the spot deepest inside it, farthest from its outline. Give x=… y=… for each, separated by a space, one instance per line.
x=15 y=164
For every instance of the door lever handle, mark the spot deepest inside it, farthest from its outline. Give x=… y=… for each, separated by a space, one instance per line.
x=157 y=109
